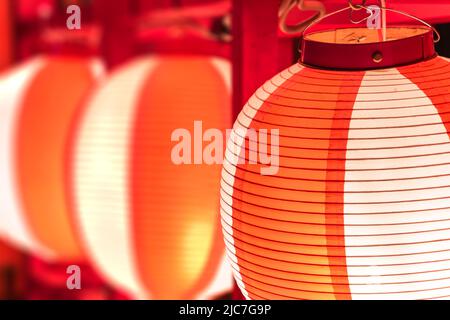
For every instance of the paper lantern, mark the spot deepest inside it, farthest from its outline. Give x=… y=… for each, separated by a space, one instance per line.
x=359 y=205
x=38 y=102
x=152 y=227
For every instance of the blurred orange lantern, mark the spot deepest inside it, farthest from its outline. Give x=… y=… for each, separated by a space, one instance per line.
x=150 y=226
x=359 y=205
x=38 y=102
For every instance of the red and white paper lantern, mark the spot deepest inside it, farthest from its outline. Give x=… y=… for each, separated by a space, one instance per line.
x=38 y=102
x=359 y=207
x=150 y=226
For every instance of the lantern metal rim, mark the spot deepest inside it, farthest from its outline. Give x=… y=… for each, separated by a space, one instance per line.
x=357 y=56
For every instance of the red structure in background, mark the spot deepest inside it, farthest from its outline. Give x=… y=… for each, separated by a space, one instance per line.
x=12 y=272
x=6 y=32
x=12 y=261
x=48 y=281
x=187 y=30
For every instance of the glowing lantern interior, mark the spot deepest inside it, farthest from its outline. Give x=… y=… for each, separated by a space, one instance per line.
x=40 y=101
x=168 y=244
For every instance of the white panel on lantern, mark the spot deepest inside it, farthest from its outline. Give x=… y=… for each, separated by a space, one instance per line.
x=105 y=138
x=13 y=88
x=382 y=253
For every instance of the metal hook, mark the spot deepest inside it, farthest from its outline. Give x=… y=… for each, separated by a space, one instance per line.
x=356 y=7
x=437 y=37
x=288 y=5
x=371 y=14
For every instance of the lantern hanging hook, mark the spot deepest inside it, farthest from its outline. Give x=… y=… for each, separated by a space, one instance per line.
x=357 y=7
x=437 y=36
x=288 y=5
x=352 y=20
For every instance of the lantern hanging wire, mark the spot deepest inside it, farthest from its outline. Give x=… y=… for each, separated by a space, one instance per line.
x=356 y=7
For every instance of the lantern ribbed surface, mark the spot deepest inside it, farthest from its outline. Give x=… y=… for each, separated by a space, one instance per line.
x=360 y=205
x=38 y=102
x=150 y=226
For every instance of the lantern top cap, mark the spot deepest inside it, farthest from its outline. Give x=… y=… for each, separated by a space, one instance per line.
x=360 y=48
